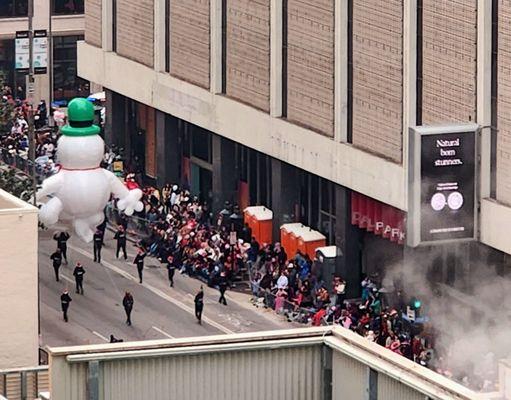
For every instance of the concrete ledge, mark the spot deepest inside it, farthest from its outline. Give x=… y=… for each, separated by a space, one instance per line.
x=338 y=162
x=495 y=223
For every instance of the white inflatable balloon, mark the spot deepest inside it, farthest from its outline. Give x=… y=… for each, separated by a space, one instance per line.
x=81 y=189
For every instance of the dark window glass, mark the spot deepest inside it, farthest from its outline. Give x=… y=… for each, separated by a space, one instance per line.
x=494 y=96
x=201 y=144
x=13 y=8
x=167 y=35
x=263 y=179
x=242 y=162
x=252 y=176
x=325 y=196
x=8 y=75
x=68 y=7
x=114 y=25
x=66 y=83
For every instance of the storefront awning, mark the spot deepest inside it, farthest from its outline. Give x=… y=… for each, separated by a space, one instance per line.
x=377 y=217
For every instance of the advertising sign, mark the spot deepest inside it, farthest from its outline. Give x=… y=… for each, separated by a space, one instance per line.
x=442 y=193
x=22 y=52
x=40 y=52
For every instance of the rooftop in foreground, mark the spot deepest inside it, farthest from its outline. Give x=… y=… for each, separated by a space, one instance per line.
x=309 y=363
x=10 y=203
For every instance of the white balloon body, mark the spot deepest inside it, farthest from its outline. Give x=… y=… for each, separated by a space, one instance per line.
x=81 y=189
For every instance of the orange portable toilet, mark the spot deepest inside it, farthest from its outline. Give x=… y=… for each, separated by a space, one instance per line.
x=248 y=217
x=260 y=220
x=285 y=236
x=309 y=241
x=293 y=239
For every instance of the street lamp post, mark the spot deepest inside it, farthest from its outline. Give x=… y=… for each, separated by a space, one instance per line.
x=30 y=98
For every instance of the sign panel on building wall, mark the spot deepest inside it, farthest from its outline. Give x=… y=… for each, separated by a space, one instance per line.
x=40 y=52
x=442 y=184
x=22 y=55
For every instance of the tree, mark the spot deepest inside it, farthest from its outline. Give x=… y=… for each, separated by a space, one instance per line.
x=6 y=108
x=15 y=183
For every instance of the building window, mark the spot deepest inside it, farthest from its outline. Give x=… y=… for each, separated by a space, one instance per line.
x=418 y=117
x=494 y=97
x=8 y=75
x=317 y=204
x=13 y=8
x=66 y=83
x=114 y=25
x=167 y=35
x=201 y=144
x=349 y=135
x=67 y=7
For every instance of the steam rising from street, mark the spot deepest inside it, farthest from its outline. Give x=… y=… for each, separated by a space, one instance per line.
x=472 y=327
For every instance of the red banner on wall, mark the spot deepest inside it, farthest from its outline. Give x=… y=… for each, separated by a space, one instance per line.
x=377 y=217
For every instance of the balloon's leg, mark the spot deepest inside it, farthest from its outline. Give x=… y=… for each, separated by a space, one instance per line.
x=86 y=227
x=95 y=220
x=83 y=230
x=49 y=212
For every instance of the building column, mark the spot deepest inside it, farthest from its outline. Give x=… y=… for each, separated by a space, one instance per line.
x=168 y=157
x=107 y=12
x=276 y=9
x=115 y=119
x=284 y=196
x=216 y=50
x=341 y=71
x=348 y=242
x=42 y=81
x=224 y=177
x=409 y=78
x=484 y=77
x=159 y=35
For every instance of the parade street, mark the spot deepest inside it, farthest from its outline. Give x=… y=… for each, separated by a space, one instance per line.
x=159 y=311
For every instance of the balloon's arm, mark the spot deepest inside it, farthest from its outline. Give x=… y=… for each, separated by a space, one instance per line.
x=117 y=188
x=129 y=200
x=50 y=185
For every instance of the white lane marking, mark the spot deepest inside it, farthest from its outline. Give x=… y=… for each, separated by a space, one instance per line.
x=66 y=278
x=162 y=332
x=156 y=291
x=99 y=335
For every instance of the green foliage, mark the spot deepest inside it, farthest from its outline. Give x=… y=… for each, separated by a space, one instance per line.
x=6 y=109
x=15 y=183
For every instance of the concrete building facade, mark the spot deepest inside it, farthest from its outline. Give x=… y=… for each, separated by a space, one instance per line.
x=19 y=336
x=305 y=107
x=66 y=22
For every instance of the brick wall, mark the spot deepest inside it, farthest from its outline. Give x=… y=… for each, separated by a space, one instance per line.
x=378 y=77
x=93 y=22
x=449 y=61
x=190 y=40
x=135 y=30
x=504 y=103
x=310 y=64
x=248 y=52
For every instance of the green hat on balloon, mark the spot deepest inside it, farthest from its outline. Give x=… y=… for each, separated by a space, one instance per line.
x=80 y=116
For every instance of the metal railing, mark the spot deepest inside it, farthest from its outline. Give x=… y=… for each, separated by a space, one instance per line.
x=24 y=383
x=23 y=165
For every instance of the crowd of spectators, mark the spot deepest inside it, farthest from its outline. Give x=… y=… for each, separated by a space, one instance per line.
x=181 y=231
x=14 y=141
x=178 y=229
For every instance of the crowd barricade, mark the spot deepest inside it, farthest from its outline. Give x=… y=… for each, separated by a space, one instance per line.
x=23 y=164
x=138 y=227
x=267 y=298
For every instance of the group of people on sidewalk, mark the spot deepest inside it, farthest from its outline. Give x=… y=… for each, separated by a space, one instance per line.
x=14 y=136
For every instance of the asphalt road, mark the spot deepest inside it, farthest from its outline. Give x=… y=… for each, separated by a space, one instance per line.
x=159 y=311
